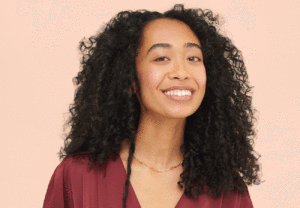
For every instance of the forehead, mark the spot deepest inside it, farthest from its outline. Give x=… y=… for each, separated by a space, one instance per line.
x=168 y=31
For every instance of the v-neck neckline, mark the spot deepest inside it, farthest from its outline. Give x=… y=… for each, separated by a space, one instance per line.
x=130 y=188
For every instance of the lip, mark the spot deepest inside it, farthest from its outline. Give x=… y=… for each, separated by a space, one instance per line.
x=179 y=99
x=179 y=87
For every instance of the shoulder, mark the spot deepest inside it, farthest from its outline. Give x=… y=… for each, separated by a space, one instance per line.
x=240 y=200
x=69 y=170
x=73 y=180
x=77 y=166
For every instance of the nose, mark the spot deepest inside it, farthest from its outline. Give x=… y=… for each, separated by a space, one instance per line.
x=179 y=70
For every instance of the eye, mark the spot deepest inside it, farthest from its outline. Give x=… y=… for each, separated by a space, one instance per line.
x=194 y=58
x=160 y=58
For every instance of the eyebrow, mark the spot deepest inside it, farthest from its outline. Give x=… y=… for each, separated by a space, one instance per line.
x=167 y=45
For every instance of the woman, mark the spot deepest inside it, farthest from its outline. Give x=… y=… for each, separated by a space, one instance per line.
x=161 y=117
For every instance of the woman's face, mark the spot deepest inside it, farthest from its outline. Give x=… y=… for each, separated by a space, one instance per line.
x=179 y=62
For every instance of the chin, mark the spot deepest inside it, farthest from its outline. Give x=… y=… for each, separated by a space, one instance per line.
x=180 y=114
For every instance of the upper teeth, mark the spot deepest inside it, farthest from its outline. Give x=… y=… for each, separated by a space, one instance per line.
x=179 y=92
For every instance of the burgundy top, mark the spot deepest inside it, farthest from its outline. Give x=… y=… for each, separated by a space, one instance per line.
x=74 y=185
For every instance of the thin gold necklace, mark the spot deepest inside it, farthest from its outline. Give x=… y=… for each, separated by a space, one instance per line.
x=161 y=171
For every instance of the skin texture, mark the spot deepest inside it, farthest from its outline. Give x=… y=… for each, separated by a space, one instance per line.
x=162 y=122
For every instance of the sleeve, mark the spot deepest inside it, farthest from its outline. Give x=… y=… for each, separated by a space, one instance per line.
x=56 y=193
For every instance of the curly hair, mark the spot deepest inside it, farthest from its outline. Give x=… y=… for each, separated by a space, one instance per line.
x=218 y=137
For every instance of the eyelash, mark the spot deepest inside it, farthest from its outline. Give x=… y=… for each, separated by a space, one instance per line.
x=166 y=57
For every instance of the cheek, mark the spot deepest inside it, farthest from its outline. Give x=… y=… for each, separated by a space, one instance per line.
x=150 y=79
x=201 y=78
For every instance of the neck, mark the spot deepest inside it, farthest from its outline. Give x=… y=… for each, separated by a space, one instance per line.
x=158 y=143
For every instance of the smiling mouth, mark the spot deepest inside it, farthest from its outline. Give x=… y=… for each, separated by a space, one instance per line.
x=181 y=99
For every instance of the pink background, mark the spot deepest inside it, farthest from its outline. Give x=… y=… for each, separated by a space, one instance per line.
x=39 y=57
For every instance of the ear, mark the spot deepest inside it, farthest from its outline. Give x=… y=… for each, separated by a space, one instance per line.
x=133 y=87
x=134 y=90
